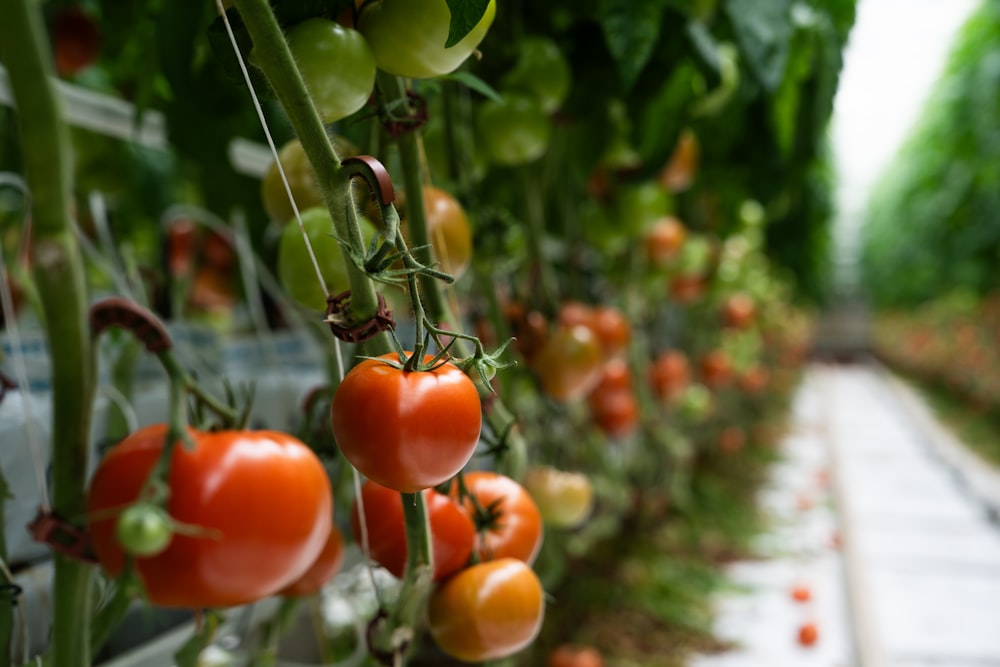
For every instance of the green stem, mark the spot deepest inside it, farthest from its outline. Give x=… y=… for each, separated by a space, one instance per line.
x=272 y=56
x=267 y=653
x=110 y=615
x=59 y=276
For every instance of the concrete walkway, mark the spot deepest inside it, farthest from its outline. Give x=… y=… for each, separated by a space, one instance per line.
x=889 y=524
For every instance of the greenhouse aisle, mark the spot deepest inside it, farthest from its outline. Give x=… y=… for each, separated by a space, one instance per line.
x=888 y=526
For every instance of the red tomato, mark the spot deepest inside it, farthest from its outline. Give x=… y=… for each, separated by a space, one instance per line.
x=663 y=239
x=573 y=313
x=732 y=439
x=406 y=430
x=613 y=405
x=452 y=531
x=487 y=611
x=687 y=288
x=755 y=379
x=612 y=329
x=801 y=593
x=569 y=364
x=738 y=310
x=515 y=528
x=323 y=569
x=808 y=634
x=182 y=238
x=568 y=655
x=669 y=375
x=76 y=40
x=261 y=498
x=716 y=369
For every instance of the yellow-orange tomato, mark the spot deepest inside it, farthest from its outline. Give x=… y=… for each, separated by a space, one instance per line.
x=449 y=231
x=487 y=611
x=565 y=499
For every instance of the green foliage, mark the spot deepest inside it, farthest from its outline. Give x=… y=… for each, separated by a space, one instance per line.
x=933 y=215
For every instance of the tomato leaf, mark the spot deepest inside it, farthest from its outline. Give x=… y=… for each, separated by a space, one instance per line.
x=465 y=14
x=470 y=80
x=763 y=29
x=631 y=31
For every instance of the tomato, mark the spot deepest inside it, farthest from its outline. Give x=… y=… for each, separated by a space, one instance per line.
x=259 y=503
x=696 y=402
x=616 y=411
x=716 y=368
x=452 y=532
x=541 y=71
x=295 y=268
x=612 y=329
x=755 y=379
x=679 y=172
x=449 y=231
x=515 y=527
x=738 y=310
x=572 y=313
x=76 y=40
x=615 y=376
x=487 y=611
x=669 y=374
x=640 y=205
x=513 y=131
x=181 y=240
x=732 y=439
x=664 y=239
x=406 y=430
x=564 y=499
x=575 y=656
x=144 y=529
x=323 y=569
x=337 y=66
x=569 y=363
x=801 y=593
x=408 y=37
x=695 y=255
x=808 y=634
x=212 y=292
x=301 y=180
x=217 y=251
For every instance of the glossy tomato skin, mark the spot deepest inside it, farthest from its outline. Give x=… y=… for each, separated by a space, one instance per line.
x=337 y=65
x=324 y=568
x=406 y=430
x=262 y=498
x=487 y=611
x=407 y=37
x=517 y=531
x=569 y=363
x=452 y=532
x=449 y=230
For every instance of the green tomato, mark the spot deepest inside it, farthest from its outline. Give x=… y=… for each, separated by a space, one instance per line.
x=514 y=131
x=541 y=72
x=696 y=403
x=337 y=65
x=144 y=530
x=295 y=268
x=408 y=36
x=640 y=206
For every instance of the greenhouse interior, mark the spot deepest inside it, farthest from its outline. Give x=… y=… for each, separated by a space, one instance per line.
x=661 y=333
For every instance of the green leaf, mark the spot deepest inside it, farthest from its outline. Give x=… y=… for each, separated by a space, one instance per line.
x=631 y=31
x=664 y=116
x=470 y=80
x=465 y=14
x=763 y=29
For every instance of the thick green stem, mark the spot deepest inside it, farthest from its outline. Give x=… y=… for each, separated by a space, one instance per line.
x=273 y=57
x=58 y=273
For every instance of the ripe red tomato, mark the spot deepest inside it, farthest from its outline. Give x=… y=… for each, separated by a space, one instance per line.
x=452 y=531
x=408 y=36
x=516 y=531
x=261 y=498
x=808 y=634
x=801 y=593
x=406 y=430
x=687 y=289
x=612 y=329
x=568 y=655
x=323 y=569
x=569 y=363
x=449 y=231
x=76 y=40
x=337 y=66
x=564 y=499
x=669 y=375
x=755 y=379
x=487 y=611
x=663 y=239
x=738 y=310
x=716 y=369
x=613 y=404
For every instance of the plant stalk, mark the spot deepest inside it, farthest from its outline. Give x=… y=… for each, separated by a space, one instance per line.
x=59 y=276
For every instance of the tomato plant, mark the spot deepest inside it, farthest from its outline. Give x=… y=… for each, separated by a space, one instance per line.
x=222 y=558
x=513 y=131
x=337 y=65
x=323 y=569
x=513 y=525
x=452 y=531
x=408 y=37
x=407 y=430
x=569 y=363
x=487 y=611
x=449 y=230
x=564 y=499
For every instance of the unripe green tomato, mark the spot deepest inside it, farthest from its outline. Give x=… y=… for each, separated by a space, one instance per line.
x=408 y=37
x=514 y=131
x=695 y=255
x=541 y=72
x=640 y=206
x=295 y=268
x=336 y=64
x=144 y=530
x=696 y=402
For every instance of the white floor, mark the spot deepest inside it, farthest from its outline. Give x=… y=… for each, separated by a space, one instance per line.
x=915 y=579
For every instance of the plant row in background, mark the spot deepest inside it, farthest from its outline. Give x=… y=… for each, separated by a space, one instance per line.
x=561 y=313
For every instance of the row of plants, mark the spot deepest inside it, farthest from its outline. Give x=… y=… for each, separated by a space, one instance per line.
x=558 y=314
